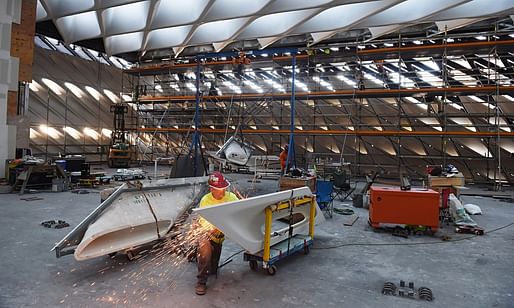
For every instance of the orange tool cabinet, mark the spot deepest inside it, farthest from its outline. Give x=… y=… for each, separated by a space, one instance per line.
x=391 y=205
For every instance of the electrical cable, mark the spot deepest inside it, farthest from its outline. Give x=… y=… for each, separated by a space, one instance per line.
x=229 y=259
x=411 y=244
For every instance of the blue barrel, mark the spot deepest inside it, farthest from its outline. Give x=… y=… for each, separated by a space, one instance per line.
x=61 y=163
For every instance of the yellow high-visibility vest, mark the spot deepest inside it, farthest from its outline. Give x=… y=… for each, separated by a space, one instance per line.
x=209 y=200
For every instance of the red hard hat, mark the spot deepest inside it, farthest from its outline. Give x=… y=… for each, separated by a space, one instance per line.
x=217 y=180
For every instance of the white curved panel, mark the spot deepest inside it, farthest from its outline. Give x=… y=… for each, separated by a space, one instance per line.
x=242 y=221
x=289 y=5
x=167 y=37
x=476 y=8
x=111 y=3
x=320 y=36
x=265 y=42
x=448 y=25
x=217 y=31
x=41 y=13
x=274 y=24
x=133 y=217
x=342 y=16
x=60 y=8
x=224 y=9
x=171 y=13
x=123 y=43
x=409 y=11
x=79 y=27
x=125 y=18
x=379 y=31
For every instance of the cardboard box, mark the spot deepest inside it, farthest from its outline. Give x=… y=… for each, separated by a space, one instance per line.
x=286 y=183
x=443 y=181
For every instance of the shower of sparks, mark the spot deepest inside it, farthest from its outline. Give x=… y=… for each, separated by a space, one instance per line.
x=157 y=269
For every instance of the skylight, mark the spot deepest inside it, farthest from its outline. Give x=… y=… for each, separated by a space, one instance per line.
x=111 y=96
x=94 y=93
x=347 y=81
x=502 y=124
x=50 y=131
x=418 y=103
x=232 y=87
x=57 y=89
x=253 y=86
x=300 y=84
x=405 y=82
x=75 y=134
x=323 y=83
x=275 y=85
x=91 y=133
x=74 y=89
x=428 y=62
x=432 y=122
x=106 y=132
x=464 y=122
x=34 y=86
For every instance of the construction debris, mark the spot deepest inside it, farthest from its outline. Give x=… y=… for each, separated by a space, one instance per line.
x=55 y=224
x=422 y=293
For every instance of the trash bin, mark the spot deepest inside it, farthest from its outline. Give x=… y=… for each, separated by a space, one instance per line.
x=61 y=163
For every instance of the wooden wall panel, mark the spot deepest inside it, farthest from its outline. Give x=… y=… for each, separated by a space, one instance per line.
x=12 y=105
x=22 y=39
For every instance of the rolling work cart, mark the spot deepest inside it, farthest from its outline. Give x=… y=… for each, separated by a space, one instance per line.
x=293 y=244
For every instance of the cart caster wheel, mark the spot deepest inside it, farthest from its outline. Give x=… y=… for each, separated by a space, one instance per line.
x=306 y=250
x=131 y=255
x=272 y=270
x=253 y=265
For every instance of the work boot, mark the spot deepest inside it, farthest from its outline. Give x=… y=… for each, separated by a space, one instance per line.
x=200 y=289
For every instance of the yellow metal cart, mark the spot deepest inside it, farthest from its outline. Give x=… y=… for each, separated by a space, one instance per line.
x=294 y=243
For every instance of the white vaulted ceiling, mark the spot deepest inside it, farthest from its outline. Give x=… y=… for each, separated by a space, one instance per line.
x=136 y=26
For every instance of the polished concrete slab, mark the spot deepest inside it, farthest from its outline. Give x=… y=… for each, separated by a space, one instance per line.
x=346 y=267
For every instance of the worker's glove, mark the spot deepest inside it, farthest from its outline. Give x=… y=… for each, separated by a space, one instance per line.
x=216 y=233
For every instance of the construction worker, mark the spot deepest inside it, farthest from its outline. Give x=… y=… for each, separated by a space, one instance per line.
x=283 y=158
x=210 y=238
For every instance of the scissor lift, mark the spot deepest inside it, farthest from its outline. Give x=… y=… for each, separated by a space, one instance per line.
x=293 y=244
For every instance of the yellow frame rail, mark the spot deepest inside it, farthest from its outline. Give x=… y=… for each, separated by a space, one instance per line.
x=311 y=200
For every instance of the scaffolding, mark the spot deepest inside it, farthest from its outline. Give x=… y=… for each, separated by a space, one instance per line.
x=405 y=108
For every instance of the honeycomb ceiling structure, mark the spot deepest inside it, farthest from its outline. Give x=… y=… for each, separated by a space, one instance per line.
x=128 y=26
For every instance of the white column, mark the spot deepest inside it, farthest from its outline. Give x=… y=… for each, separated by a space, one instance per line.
x=10 y=11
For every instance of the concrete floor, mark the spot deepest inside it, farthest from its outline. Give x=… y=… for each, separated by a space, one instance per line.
x=478 y=272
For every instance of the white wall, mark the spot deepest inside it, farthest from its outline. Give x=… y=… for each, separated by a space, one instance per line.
x=10 y=11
